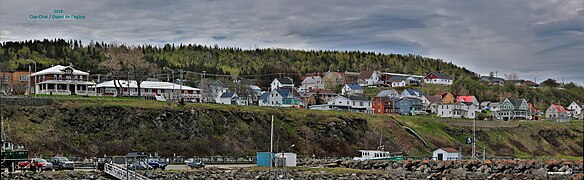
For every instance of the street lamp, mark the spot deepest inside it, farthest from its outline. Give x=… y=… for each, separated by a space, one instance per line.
x=284 y=158
x=172 y=79
x=29 y=76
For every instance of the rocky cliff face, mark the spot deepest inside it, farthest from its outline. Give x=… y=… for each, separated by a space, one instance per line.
x=95 y=130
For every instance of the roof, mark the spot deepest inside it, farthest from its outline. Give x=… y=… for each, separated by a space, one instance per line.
x=390 y=92
x=516 y=102
x=227 y=95
x=559 y=108
x=464 y=98
x=311 y=79
x=414 y=92
x=439 y=75
x=409 y=98
x=264 y=96
x=321 y=91
x=397 y=78
x=366 y=74
x=467 y=103
x=283 y=92
x=358 y=98
x=492 y=79
x=58 y=69
x=311 y=75
x=285 y=80
x=384 y=99
x=435 y=98
x=146 y=85
x=354 y=86
x=450 y=150
x=485 y=103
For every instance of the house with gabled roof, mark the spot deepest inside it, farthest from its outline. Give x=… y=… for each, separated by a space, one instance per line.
x=225 y=98
x=284 y=97
x=350 y=103
x=401 y=81
x=447 y=98
x=438 y=78
x=352 y=89
x=575 y=109
x=433 y=103
x=311 y=82
x=333 y=79
x=369 y=78
x=409 y=105
x=513 y=109
x=383 y=105
x=281 y=82
x=556 y=112
x=64 y=80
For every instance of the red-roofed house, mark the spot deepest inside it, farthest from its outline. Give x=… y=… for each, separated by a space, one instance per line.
x=556 y=111
x=471 y=99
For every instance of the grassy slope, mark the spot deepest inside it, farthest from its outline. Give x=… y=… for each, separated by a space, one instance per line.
x=542 y=139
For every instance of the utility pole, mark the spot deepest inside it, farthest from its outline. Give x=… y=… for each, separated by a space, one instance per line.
x=181 y=82
x=473 y=137
x=271 y=145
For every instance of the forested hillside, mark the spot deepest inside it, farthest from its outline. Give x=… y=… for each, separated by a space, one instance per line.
x=212 y=59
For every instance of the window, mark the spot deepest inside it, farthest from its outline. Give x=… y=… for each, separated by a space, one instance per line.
x=23 y=78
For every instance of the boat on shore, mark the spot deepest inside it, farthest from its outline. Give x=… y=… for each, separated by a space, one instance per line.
x=380 y=154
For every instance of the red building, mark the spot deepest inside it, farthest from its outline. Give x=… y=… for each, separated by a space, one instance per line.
x=382 y=105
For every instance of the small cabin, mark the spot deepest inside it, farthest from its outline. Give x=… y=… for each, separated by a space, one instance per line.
x=445 y=154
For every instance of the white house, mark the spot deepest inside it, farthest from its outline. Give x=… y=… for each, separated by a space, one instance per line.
x=281 y=82
x=575 y=109
x=556 y=111
x=149 y=89
x=284 y=98
x=445 y=110
x=401 y=81
x=445 y=154
x=392 y=93
x=225 y=98
x=411 y=93
x=351 y=89
x=351 y=103
x=59 y=79
x=369 y=78
x=464 y=110
x=438 y=78
x=311 y=82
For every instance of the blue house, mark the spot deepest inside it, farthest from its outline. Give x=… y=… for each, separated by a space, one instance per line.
x=409 y=105
x=411 y=93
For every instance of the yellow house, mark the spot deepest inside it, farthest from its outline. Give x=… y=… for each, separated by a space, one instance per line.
x=447 y=98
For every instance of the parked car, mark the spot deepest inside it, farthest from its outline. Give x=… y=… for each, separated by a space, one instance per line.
x=155 y=163
x=36 y=164
x=139 y=165
x=62 y=163
x=195 y=165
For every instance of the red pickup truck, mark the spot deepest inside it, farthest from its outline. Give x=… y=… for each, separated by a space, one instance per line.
x=36 y=164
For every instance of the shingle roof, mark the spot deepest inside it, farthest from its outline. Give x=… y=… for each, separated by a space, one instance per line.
x=366 y=74
x=435 y=98
x=283 y=92
x=397 y=78
x=440 y=75
x=285 y=80
x=385 y=93
x=354 y=86
x=227 y=95
x=414 y=92
x=464 y=98
x=559 y=108
x=358 y=98
x=147 y=85
x=450 y=150
x=58 y=69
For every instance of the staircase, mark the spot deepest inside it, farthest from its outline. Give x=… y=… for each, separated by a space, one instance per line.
x=122 y=173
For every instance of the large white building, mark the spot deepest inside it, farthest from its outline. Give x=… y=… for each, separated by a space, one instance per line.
x=575 y=109
x=438 y=78
x=278 y=83
x=311 y=82
x=59 y=79
x=153 y=89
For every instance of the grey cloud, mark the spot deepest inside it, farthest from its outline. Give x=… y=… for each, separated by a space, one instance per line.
x=537 y=39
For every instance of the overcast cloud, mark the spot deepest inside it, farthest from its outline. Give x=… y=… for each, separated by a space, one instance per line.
x=535 y=39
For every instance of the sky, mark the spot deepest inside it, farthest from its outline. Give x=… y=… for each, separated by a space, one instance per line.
x=535 y=39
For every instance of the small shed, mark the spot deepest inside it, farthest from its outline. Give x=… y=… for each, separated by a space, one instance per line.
x=444 y=154
x=288 y=158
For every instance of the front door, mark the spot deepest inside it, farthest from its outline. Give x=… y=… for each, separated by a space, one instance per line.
x=72 y=89
x=440 y=156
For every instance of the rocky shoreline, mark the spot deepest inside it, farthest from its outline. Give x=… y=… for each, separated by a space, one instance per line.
x=331 y=169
